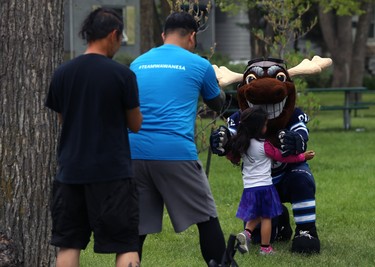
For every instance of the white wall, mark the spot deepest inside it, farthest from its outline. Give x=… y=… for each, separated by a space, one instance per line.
x=231 y=39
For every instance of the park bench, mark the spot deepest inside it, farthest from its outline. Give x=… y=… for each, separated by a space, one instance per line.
x=366 y=103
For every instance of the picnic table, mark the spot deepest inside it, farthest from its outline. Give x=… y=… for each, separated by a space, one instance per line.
x=347 y=106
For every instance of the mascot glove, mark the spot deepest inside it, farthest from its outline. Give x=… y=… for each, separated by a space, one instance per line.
x=219 y=139
x=292 y=143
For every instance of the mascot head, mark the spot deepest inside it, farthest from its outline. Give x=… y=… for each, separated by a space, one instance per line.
x=267 y=83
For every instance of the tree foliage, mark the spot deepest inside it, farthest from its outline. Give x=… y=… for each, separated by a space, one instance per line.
x=286 y=20
x=278 y=26
x=343 y=7
x=346 y=44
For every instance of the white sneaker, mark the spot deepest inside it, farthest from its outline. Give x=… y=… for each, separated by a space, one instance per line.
x=244 y=240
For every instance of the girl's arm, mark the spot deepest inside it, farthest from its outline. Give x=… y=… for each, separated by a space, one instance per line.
x=275 y=154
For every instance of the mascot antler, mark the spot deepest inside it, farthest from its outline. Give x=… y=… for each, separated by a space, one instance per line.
x=226 y=76
x=315 y=65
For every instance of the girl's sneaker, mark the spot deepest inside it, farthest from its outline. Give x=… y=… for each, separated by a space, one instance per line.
x=266 y=250
x=244 y=240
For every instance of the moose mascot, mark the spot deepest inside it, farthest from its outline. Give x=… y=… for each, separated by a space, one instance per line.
x=267 y=83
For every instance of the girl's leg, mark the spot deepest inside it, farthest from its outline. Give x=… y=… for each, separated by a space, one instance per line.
x=244 y=238
x=250 y=225
x=265 y=234
x=265 y=231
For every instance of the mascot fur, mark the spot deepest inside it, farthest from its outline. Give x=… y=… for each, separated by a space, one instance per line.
x=268 y=83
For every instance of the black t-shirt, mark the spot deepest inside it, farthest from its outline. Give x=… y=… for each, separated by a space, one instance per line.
x=93 y=92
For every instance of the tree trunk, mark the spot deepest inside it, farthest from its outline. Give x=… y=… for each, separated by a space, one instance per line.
x=31 y=47
x=165 y=9
x=359 y=46
x=147 y=25
x=337 y=35
x=258 y=47
x=348 y=56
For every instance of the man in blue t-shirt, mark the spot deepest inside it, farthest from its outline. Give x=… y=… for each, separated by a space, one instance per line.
x=96 y=100
x=167 y=169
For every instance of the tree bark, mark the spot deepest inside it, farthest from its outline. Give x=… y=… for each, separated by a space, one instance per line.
x=31 y=47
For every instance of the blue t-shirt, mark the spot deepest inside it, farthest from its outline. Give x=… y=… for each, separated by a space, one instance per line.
x=170 y=80
x=93 y=92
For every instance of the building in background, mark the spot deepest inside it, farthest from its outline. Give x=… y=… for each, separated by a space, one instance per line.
x=232 y=36
x=76 y=11
x=221 y=31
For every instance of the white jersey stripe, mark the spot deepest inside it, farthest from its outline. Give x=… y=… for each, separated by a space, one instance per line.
x=298 y=125
x=305 y=218
x=303 y=205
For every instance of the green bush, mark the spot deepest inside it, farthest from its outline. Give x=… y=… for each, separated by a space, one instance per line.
x=321 y=80
x=369 y=82
x=124 y=58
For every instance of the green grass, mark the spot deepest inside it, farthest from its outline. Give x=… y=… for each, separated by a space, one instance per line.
x=344 y=173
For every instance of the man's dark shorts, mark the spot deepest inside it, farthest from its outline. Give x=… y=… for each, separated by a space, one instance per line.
x=109 y=210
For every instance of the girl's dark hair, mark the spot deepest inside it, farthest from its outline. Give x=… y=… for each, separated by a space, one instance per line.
x=99 y=23
x=251 y=124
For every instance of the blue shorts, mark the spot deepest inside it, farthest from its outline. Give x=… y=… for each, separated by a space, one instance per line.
x=108 y=210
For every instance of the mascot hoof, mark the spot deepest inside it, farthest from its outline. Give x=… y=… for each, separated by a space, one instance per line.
x=284 y=233
x=303 y=242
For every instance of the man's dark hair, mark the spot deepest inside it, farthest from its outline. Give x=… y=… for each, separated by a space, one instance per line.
x=99 y=23
x=182 y=21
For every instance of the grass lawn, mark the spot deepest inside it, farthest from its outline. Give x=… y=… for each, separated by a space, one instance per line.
x=345 y=178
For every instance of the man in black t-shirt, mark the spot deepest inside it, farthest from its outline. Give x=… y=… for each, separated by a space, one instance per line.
x=97 y=102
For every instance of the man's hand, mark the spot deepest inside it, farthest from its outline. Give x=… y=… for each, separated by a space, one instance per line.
x=292 y=143
x=219 y=139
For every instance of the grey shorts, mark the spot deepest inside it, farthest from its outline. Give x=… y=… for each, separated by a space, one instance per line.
x=182 y=186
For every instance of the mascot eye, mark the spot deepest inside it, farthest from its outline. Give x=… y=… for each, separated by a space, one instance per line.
x=281 y=76
x=250 y=77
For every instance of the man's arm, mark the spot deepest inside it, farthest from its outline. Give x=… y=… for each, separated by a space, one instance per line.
x=134 y=119
x=216 y=103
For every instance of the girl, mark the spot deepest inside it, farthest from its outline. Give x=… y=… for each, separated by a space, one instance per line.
x=260 y=201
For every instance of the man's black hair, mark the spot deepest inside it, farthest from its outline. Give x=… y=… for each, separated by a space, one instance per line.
x=99 y=23
x=180 y=20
